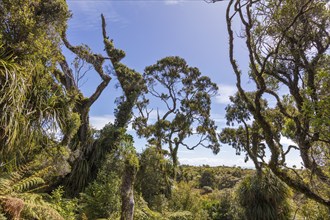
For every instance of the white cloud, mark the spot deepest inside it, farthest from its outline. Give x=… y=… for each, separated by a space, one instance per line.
x=225 y=91
x=286 y=141
x=198 y=161
x=219 y=118
x=172 y=2
x=153 y=116
x=99 y=122
x=186 y=152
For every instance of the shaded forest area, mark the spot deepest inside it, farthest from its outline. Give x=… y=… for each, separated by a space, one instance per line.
x=54 y=165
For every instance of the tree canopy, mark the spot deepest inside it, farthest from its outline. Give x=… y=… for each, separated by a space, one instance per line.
x=186 y=95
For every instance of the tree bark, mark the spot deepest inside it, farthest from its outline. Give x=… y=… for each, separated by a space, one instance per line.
x=127 y=192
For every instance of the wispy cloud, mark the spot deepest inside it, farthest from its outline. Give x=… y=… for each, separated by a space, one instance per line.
x=225 y=91
x=198 y=161
x=86 y=14
x=219 y=118
x=99 y=122
x=172 y=2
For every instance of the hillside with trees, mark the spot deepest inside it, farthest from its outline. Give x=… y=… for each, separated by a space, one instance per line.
x=55 y=165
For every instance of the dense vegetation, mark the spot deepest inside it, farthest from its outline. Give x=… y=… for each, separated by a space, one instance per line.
x=54 y=165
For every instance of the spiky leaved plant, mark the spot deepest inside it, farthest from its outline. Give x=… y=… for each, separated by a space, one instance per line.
x=264 y=197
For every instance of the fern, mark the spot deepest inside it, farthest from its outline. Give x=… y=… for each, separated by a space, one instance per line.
x=18 y=199
x=37 y=208
x=27 y=184
x=16 y=182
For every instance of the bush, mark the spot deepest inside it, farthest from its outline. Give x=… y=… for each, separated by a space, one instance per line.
x=183 y=215
x=312 y=210
x=222 y=209
x=153 y=180
x=185 y=198
x=206 y=179
x=101 y=198
x=143 y=212
x=64 y=207
x=264 y=197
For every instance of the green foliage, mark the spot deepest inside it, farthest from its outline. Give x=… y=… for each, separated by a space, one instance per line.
x=264 y=197
x=153 y=179
x=310 y=209
x=65 y=207
x=186 y=202
x=181 y=215
x=38 y=100
x=218 y=210
x=143 y=212
x=32 y=103
x=18 y=199
x=35 y=207
x=207 y=179
x=32 y=30
x=101 y=199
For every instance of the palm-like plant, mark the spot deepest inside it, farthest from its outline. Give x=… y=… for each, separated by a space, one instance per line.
x=12 y=95
x=264 y=197
x=33 y=106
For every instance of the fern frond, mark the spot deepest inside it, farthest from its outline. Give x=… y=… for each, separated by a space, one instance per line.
x=5 y=186
x=36 y=208
x=43 y=172
x=19 y=181
x=7 y=181
x=27 y=183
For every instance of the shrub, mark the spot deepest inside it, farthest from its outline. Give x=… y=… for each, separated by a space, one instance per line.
x=64 y=207
x=101 y=198
x=206 y=179
x=264 y=197
x=185 y=198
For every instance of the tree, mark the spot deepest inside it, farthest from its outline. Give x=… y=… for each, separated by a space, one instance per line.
x=287 y=44
x=90 y=155
x=186 y=97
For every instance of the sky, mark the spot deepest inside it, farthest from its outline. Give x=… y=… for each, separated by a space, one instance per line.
x=149 y=30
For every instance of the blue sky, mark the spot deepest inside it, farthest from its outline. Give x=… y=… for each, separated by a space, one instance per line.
x=153 y=29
